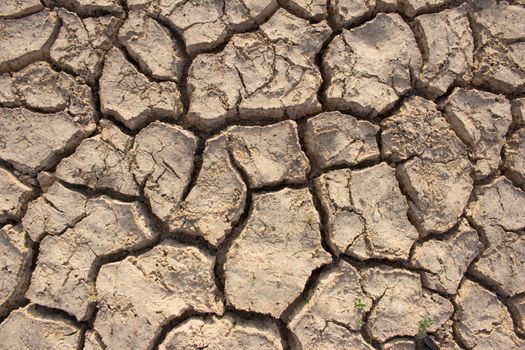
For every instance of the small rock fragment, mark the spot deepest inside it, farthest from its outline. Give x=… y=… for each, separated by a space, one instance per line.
x=44 y=137
x=386 y=5
x=334 y=139
x=399 y=344
x=55 y=211
x=400 y=303
x=45 y=180
x=14 y=196
x=413 y=7
x=16 y=257
x=350 y=12
x=499 y=211
x=517 y=307
x=143 y=36
x=101 y=163
x=206 y=24
x=25 y=40
x=437 y=177
x=131 y=98
x=140 y=294
x=215 y=203
x=7 y=91
x=64 y=274
x=270 y=73
x=518 y=111
x=19 y=8
x=482 y=321
x=370 y=67
x=29 y=329
x=481 y=119
x=269 y=155
x=514 y=158
x=276 y=252
x=228 y=332
x=82 y=43
x=443 y=262
x=312 y=9
x=331 y=305
x=39 y=87
x=162 y=163
x=142 y=4
x=367 y=214
x=88 y=7
x=448 y=49
x=499 y=63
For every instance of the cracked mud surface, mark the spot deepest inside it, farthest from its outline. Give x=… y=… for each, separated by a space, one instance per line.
x=262 y=174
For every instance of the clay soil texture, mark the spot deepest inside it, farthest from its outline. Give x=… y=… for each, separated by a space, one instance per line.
x=262 y=174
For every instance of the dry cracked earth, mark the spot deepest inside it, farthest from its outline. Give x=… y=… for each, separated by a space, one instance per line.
x=262 y=174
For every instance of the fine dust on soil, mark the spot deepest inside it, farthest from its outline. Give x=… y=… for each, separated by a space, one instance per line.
x=262 y=174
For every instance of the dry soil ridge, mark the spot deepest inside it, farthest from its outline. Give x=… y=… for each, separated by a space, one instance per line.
x=476 y=251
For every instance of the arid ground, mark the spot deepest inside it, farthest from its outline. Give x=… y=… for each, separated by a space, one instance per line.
x=262 y=174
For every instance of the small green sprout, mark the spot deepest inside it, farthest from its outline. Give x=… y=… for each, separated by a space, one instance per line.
x=310 y=220
x=359 y=305
x=235 y=245
x=253 y=277
x=425 y=323
x=360 y=323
